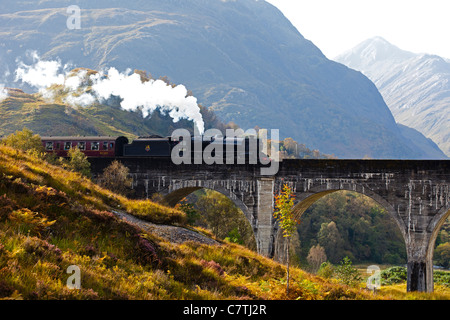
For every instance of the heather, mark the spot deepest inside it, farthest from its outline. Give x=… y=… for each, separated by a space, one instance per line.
x=52 y=218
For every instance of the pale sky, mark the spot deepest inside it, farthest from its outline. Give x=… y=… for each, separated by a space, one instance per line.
x=338 y=25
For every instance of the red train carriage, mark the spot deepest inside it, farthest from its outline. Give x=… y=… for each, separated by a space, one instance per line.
x=101 y=146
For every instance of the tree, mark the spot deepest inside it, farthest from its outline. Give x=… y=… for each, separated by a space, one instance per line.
x=442 y=255
x=326 y=270
x=115 y=178
x=25 y=140
x=291 y=146
x=363 y=230
x=284 y=202
x=219 y=214
x=78 y=162
x=347 y=274
x=330 y=239
x=235 y=237
x=316 y=257
x=215 y=209
x=192 y=214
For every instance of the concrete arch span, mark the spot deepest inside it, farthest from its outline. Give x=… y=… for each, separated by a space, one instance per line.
x=434 y=227
x=419 y=246
x=173 y=196
x=305 y=199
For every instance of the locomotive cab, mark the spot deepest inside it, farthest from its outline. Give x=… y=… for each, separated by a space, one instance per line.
x=120 y=144
x=151 y=146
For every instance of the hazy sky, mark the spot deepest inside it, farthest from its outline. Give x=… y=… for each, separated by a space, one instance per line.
x=338 y=25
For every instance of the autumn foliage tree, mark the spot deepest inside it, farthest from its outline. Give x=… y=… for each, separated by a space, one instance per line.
x=442 y=255
x=216 y=212
x=192 y=214
x=284 y=202
x=316 y=257
x=78 y=162
x=24 y=140
x=116 y=178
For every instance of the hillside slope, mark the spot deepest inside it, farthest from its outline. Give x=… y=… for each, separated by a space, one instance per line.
x=242 y=58
x=429 y=148
x=416 y=87
x=51 y=219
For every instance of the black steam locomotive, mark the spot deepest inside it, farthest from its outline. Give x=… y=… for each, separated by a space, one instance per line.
x=245 y=149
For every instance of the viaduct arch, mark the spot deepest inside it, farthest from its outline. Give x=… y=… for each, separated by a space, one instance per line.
x=414 y=192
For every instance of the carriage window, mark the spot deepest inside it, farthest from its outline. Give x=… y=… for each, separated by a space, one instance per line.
x=49 y=146
x=57 y=146
x=95 y=146
x=111 y=146
x=67 y=145
x=82 y=145
x=105 y=145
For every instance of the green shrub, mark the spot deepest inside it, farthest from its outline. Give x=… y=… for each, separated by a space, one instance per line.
x=326 y=270
x=442 y=277
x=393 y=275
x=24 y=140
x=347 y=274
x=78 y=162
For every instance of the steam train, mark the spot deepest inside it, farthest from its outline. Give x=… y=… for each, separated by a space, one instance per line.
x=153 y=146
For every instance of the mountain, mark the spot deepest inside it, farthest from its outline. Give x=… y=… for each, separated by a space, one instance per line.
x=243 y=59
x=418 y=141
x=416 y=87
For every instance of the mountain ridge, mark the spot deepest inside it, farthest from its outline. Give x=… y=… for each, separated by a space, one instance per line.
x=416 y=87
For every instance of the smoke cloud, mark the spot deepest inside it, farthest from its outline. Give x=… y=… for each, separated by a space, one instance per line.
x=3 y=92
x=41 y=74
x=147 y=96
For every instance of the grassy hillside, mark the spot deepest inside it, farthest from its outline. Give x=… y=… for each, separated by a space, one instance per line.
x=51 y=218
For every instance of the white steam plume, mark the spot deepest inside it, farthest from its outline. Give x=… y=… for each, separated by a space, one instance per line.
x=3 y=92
x=77 y=95
x=148 y=96
x=41 y=74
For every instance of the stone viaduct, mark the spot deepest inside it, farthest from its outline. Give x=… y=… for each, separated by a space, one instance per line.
x=414 y=192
